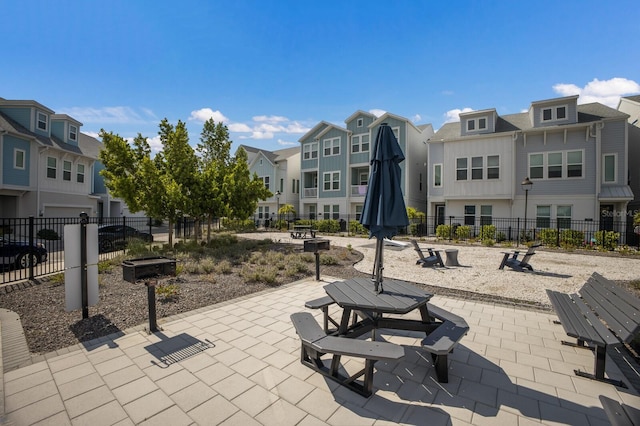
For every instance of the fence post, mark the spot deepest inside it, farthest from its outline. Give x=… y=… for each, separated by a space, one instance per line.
x=31 y=253
x=557 y=233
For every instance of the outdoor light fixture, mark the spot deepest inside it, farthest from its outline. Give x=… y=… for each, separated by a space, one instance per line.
x=278 y=204
x=526 y=185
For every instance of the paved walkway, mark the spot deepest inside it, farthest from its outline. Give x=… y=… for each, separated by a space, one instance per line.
x=238 y=363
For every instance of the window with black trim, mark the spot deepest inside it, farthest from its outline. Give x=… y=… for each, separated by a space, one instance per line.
x=437 y=175
x=543 y=216
x=563 y=216
x=555 y=113
x=470 y=215
x=476 y=168
x=493 y=167
x=609 y=166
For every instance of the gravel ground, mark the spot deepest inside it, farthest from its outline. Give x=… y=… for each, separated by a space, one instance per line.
x=122 y=305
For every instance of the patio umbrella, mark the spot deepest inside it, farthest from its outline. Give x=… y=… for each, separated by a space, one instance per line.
x=384 y=210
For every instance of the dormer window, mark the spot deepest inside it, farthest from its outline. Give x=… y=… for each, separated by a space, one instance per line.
x=360 y=122
x=73 y=132
x=554 y=113
x=476 y=124
x=42 y=121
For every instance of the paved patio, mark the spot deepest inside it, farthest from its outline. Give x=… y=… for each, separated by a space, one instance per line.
x=238 y=363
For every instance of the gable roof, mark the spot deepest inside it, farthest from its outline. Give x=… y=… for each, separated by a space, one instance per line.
x=587 y=113
x=387 y=115
x=357 y=113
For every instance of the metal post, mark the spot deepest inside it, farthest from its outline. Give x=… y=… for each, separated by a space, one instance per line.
x=151 y=298
x=31 y=253
x=317 y=266
x=84 y=219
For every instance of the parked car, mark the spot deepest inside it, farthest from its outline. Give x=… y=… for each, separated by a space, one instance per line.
x=20 y=254
x=111 y=237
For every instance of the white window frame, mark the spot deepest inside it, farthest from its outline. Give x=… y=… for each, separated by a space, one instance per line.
x=67 y=167
x=543 y=221
x=486 y=214
x=396 y=132
x=564 y=221
x=73 y=132
x=554 y=113
x=331 y=145
x=476 y=168
x=310 y=151
x=465 y=168
x=42 y=121
x=357 y=145
x=80 y=173
x=476 y=124
x=615 y=167
x=437 y=180
x=53 y=168
x=359 y=208
x=265 y=181
x=490 y=167
x=17 y=166
x=334 y=181
x=359 y=122
x=564 y=174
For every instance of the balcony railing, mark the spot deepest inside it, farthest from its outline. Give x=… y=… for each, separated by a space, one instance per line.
x=358 y=190
x=311 y=192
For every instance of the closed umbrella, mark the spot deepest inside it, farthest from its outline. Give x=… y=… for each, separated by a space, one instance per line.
x=384 y=210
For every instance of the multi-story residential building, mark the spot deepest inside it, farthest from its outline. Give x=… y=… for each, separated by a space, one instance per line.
x=280 y=172
x=335 y=164
x=631 y=105
x=575 y=155
x=46 y=169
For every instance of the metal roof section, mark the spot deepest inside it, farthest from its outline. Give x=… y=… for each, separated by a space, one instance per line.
x=615 y=193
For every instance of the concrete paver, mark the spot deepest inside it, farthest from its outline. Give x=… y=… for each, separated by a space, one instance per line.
x=239 y=363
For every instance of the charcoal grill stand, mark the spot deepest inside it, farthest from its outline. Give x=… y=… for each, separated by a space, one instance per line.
x=151 y=299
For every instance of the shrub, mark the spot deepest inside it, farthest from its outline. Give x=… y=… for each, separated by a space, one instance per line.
x=444 y=232
x=548 y=236
x=572 y=238
x=463 y=232
x=48 y=234
x=167 y=292
x=326 y=259
x=488 y=242
x=224 y=267
x=330 y=226
x=608 y=240
x=357 y=228
x=500 y=237
x=488 y=232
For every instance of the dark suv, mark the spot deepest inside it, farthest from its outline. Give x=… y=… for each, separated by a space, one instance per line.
x=18 y=253
x=111 y=237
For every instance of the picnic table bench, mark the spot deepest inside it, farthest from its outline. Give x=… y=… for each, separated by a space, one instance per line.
x=602 y=315
x=300 y=232
x=440 y=342
x=620 y=414
x=315 y=343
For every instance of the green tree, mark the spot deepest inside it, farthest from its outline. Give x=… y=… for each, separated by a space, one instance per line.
x=214 y=152
x=287 y=209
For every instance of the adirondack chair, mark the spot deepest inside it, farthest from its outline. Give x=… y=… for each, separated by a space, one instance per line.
x=433 y=259
x=511 y=260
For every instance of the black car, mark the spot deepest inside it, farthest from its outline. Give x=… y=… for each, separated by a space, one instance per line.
x=111 y=237
x=18 y=253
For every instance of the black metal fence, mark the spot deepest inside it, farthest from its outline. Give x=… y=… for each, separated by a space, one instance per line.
x=21 y=237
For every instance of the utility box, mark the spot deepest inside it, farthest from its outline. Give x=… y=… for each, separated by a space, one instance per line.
x=315 y=245
x=148 y=267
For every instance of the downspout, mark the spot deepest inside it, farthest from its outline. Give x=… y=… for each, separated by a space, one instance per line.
x=598 y=137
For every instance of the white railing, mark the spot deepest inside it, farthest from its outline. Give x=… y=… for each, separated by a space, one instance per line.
x=358 y=190
x=311 y=192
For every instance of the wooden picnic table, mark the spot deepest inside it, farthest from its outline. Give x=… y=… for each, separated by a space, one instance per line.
x=399 y=297
x=300 y=232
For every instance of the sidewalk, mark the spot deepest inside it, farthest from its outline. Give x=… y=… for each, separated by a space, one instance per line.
x=238 y=363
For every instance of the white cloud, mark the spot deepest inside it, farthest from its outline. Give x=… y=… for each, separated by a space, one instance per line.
x=270 y=118
x=607 y=92
x=416 y=118
x=94 y=135
x=286 y=143
x=378 y=112
x=204 y=114
x=453 y=115
x=239 y=128
x=111 y=115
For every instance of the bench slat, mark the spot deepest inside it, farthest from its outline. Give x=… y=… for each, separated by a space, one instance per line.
x=319 y=303
x=307 y=327
x=444 y=315
x=442 y=340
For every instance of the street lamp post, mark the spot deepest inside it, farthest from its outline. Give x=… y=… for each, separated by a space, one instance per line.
x=278 y=207
x=526 y=185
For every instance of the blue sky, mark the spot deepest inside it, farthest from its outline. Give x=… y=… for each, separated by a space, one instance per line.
x=271 y=70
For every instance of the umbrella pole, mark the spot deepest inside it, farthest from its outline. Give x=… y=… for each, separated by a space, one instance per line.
x=378 y=266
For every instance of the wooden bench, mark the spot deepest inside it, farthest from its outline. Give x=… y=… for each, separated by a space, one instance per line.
x=511 y=260
x=442 y=340
x=324 y=303
x=602 y=315
x=620 y=414
x=316 y=343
